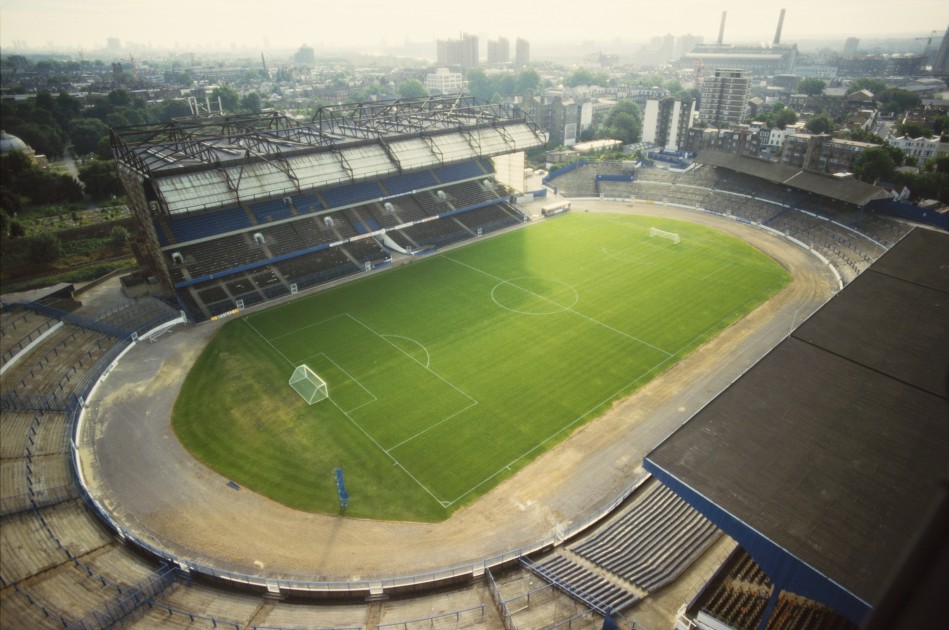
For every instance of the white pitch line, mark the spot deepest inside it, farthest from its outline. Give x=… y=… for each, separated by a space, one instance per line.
x=349 y=417
x=431 y=371
x=569 y=310
x=560 y=430
x=426 y=430
x=302 y=328
x=247 y=321
x=386 y=453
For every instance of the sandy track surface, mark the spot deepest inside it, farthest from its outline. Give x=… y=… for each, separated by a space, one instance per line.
x=135 y=467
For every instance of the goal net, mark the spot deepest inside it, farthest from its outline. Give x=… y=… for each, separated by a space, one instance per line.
x=656 y=232
x=308 y=384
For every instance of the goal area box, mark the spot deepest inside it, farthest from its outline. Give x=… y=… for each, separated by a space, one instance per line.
x=308 y=384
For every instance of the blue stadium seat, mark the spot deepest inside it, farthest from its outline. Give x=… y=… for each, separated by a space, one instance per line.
x=352 y=193
x=407 y=182
x=194 y=226
x=455 y=172
x=271 y=210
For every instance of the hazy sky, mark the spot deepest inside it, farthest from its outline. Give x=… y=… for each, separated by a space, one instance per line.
x=74 y=24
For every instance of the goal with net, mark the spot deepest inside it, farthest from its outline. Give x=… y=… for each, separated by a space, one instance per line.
x=656 y=232
x=308 y=384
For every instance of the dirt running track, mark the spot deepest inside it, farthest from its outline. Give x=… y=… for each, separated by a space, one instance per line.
x=134 y=466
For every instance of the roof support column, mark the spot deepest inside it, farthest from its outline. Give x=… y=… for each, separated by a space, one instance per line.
x=772 y=602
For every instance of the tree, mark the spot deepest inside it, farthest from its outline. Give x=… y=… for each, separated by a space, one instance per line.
x=873 y=86
x=874 y=164
x=862 y=135
x=821 y=123
x=251 y=103
x=783 y=117
x=479 y=85
x=624 y=123
x=938 y=165
x=119 y=236
x=895 y=100
x=44 y=247
x=230 y=99
x=104 y=149
x=527 y=82
x=913 y=130
x=173 y=109
x=100 y=179
x=67 y=107
x=120 y=98
x=412 y=88
x=582 y=76
x=941 y=124
x=44 y=139
x=85 y=134
x=812 y=86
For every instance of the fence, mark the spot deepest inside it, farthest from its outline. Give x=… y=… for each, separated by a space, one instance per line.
x=503 y=611
x=430 y=621
x=563 y=170
x=124 y=604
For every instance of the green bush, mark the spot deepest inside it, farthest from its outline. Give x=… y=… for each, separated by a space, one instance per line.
x=44 y=247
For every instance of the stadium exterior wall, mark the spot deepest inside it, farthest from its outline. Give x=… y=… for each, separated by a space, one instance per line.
x=786 y=572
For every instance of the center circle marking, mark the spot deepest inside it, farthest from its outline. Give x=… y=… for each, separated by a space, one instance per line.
x=545 y=304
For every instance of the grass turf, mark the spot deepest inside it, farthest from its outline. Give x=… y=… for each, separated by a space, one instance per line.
x=449 y=374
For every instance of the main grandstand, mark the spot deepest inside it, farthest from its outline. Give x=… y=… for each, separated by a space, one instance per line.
x=205 y=189
x=238 y=210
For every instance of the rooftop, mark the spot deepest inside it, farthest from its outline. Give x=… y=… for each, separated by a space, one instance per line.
x=834 y=447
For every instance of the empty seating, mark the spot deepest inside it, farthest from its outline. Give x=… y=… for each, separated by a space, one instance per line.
x=18 y=329
x=191 y=227
x=306 y=202
x=584 y=585
x=462 y=170
x=350 y=194
x=408 y=182
x=651 y=543
x=489 y=218
x=272 y=210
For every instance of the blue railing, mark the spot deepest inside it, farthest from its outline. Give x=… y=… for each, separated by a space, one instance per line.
x=563 y=170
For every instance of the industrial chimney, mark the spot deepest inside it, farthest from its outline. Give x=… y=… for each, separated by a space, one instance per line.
x=777 y=33
x=721 y=29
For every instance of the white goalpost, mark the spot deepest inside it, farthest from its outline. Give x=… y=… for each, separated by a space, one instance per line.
x=656 y=232
x=309 y=385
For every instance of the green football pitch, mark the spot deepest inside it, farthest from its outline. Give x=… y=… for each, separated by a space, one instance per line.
x=448 y=374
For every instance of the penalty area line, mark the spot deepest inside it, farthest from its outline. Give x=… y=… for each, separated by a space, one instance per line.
x=267 y=341
x=395 y=461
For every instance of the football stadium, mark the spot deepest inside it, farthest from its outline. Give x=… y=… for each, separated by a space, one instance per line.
x=374 y=376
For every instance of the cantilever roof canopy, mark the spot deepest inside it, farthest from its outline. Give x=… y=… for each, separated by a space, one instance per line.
x=847 y=190
x=825 y=458
x=202 y=163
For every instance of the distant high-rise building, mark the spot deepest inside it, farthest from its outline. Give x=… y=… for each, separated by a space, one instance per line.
x=685 y=44
x=665 y=47
x=113 y=43
x=458 y=52
x=850 y=46
x=499 y=51
x=522 y=53
x=666 y=123
x=725 y=97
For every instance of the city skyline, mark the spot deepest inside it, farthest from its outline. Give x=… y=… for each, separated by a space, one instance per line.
x=68 y=25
